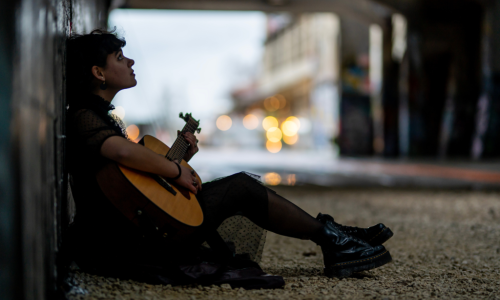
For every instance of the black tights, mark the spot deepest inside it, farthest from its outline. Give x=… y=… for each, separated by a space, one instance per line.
x=240 y=193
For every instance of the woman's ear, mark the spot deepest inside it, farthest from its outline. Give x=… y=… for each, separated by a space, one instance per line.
x=98 y=73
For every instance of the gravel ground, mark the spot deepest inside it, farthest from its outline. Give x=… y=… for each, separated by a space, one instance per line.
x=446 y=244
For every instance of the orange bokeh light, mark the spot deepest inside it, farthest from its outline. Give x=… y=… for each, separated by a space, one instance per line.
x=289 y=128
x=274 y=134
x=295 y=120
x=269 y=122
x=250 y=122
x=272 y=104
x=272 y=178
x=290 y=140
x=224 y=122
x=275 y=102
x=273 y=147
x=281 y=100
x=132 y=132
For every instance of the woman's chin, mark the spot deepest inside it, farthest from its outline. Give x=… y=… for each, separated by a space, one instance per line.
x=131 y=85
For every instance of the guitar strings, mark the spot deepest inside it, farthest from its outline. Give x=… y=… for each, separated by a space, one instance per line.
x=180 y=146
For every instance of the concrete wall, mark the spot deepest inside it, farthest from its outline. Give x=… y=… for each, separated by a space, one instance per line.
x=9 y=208
x=33 y=158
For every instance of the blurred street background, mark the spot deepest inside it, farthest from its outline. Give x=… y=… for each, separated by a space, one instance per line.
x=298 y=98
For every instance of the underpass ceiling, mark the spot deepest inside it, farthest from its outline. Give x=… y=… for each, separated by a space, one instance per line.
x=364 y=10
x=368 y=11
x=410 y=8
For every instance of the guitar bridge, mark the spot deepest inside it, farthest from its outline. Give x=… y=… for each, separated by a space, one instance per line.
x=161 y=181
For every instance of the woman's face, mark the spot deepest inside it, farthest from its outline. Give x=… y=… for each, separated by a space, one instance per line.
x=118 y=72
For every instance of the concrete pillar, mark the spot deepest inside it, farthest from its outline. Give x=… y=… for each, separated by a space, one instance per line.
x=356 y=128
x=390 y=94
x=443 y=82
x=466 y=67
x=487 y=130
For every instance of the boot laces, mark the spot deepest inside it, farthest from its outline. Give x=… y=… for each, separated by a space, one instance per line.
x=348 y=229
x=344 y=228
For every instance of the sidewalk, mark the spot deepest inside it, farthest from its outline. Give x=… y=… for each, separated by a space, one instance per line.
x=325 y=169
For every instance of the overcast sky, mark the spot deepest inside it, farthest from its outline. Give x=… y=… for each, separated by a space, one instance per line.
x=186 y=60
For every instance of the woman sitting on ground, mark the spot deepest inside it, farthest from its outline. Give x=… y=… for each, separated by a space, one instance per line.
x=102 y=240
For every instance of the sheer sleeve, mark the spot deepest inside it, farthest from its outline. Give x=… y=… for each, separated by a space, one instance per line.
x=92 y=131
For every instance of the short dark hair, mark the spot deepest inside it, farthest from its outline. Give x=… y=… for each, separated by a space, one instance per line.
x=85 y=51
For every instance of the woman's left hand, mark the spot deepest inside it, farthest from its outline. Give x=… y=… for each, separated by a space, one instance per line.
x=193 y=145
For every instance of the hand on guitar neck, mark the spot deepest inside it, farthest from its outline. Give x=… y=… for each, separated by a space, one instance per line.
x=138 y=157
x=193 y=145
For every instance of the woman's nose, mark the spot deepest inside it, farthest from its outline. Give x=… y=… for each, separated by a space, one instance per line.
x=131 y=62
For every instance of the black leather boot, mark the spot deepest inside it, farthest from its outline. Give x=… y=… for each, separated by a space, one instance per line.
x=344 y=254
x=374 y=235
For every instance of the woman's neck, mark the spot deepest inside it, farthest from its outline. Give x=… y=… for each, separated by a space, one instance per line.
x=107 y=94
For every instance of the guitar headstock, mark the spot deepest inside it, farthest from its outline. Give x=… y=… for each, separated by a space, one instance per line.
x=188 y=118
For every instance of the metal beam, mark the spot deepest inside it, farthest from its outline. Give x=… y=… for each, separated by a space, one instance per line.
x=363 y=10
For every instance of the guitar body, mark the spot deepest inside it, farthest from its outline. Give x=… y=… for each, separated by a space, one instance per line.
x=149 y=201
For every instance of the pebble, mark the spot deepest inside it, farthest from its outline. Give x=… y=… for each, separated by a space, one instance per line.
x=445 y=245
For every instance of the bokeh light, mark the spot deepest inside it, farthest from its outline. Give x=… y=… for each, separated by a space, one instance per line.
x=250 y=122
x=290 y=140
x=282 y=100
x=294 y=120
x=275 y=102
x=273 y=147
x=132 y=132
x=119 y=111
x=272 y=178
x=291 y=179
x=289 y=128
x=269 y=122
x=274 y=134
x=272 y=103
x=224 y=122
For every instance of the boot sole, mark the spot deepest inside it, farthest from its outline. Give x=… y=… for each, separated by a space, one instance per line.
x=381 y=237
x=346 y=269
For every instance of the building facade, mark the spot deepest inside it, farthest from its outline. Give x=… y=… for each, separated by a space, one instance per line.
x=299 y=78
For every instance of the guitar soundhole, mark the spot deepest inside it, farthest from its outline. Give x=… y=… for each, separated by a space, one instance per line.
x=164 y=184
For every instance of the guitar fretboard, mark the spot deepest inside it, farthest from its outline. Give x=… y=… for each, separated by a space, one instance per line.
x=180 y=146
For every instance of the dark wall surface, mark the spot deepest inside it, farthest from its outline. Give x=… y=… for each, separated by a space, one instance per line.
x=32 y=167
x=9 y=208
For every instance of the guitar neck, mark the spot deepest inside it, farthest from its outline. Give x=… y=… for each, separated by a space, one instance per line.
x=180 y=146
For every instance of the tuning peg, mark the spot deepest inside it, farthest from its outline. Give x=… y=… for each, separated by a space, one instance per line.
x=198 y=130
x=181 y=115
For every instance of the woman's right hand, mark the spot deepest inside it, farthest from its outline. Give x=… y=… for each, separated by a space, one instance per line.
x=188 y=179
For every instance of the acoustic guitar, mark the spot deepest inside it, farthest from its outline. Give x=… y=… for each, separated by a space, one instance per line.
x=151 y=201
